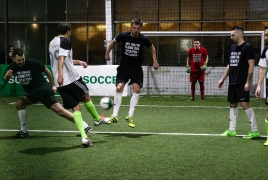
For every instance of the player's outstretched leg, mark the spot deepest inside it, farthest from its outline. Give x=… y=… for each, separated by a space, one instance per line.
x=86 y=142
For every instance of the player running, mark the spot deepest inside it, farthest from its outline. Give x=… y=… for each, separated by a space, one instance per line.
x=37 y=89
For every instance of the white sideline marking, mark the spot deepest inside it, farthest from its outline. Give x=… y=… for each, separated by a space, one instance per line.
x=101 y=132
x=160 y=106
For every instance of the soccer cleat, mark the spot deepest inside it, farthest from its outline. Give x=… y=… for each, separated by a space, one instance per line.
x=113 y=120
x=266 y=143
x=252 y=135
x=130 y=121
x=86 y=142
x=191 y=99
x=21 y=134
x=228 y=133
x=88 y=129
x=203 y=99
x=103 y=120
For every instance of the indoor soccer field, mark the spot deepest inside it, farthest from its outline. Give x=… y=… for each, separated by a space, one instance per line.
x=173 y=139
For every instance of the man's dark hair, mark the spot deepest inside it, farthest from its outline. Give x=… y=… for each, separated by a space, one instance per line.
x=265 y=27
x=63 y=28
x=238 y=28
x=137 y=21
x=197 y=39
x=18 y=52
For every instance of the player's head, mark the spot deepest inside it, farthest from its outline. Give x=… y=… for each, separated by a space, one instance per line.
x=266 y=35
x=18 y=57
x=197 y=44
x=65 y=29
x=237 y=34
x=136 y=26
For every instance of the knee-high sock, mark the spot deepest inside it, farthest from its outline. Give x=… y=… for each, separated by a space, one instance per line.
x=133 y=103
x=22 y=117
x=117 y=103
x=233 y=117
x=202 y=89
x=92 y=110
x=266 y=125
x=79 y=123
x=192 y=89
x=252 y=120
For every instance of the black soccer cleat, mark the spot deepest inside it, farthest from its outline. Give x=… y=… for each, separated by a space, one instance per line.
x=21 y=134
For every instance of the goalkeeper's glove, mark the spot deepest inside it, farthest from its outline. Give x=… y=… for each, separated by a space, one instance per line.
x=204 y=67
x=188 y=69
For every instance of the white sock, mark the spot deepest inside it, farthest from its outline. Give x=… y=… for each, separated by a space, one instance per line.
x=252 y=120
x=22 y=117
x=117 y=103
x=233 y=117
x=133 y=103
x=85 y=124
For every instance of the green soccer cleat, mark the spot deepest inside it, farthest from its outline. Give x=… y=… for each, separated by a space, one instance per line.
x=266 y=143
x=112 y=120
x=228 y=133
x=130 y=121
x=252 y=135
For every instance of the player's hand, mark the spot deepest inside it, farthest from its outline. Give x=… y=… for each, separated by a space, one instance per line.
x=83 y=63
x=60 y=80
x=188 y=69
x=9 y=73
x=220 y=83
x=258 y=92
x=204 y=67
x=54 y=88
x=247 y=87
x=155 y=65
x=107 y=57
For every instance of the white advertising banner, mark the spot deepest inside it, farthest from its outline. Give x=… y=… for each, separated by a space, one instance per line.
x=100 y=80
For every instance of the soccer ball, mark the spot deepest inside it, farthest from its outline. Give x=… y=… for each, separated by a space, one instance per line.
x=106 y=103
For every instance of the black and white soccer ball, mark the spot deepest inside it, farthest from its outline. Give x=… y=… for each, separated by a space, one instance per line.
x=106 y=103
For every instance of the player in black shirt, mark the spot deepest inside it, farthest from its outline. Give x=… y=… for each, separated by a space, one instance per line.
x=37 y=89
x=130 y=68
x=240 y=71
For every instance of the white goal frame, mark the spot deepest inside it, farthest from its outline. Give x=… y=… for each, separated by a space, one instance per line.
x=210 y=33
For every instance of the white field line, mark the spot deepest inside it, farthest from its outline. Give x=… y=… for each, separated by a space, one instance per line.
x=101 y=132
x=163 y=106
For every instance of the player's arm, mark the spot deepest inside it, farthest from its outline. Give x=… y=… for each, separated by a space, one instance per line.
x=60 y=70
x=81 y=63
x=225 y=75
x=188 y=69
x=250 y=74
x=260 y=80
x=50 y=78
x=110 y=47
x=153 y=53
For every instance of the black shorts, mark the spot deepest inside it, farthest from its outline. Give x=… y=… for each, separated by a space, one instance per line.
x=134 y=75
x=44 y=95
x=236 y=93
x=73 y=93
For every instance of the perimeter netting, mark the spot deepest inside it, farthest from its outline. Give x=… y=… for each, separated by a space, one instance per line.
x=172 y=48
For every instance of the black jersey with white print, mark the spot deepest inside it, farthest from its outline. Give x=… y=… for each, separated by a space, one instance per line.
x=238 y=62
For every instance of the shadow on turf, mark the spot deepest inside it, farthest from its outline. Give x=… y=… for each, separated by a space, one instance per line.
x=42 y=151
x=126 y=135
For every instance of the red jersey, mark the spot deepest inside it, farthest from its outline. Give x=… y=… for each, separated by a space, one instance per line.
x=197 y=58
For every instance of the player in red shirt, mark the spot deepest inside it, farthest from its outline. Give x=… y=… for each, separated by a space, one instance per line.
x=196 y=65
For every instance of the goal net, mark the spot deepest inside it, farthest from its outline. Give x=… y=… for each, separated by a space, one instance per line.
x=172 y=47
